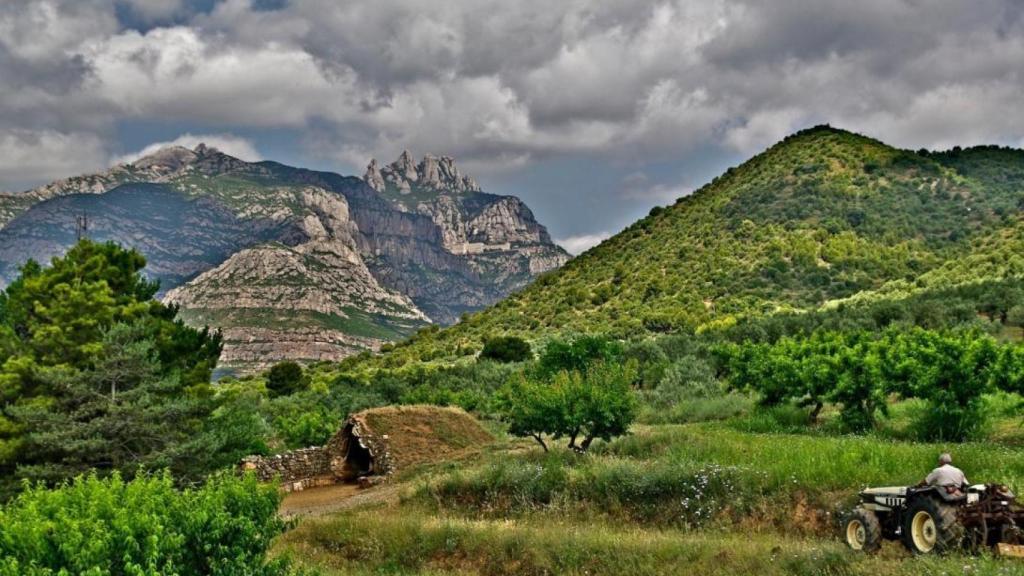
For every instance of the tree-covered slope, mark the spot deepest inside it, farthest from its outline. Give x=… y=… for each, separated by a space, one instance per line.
x=821 y=216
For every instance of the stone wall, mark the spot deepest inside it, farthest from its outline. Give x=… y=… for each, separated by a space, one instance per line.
x=297 y=470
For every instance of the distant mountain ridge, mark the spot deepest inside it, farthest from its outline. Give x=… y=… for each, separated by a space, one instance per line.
x=292 y=263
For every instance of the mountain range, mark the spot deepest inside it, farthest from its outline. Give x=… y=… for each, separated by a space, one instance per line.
x=292 y=263
x=824 y=218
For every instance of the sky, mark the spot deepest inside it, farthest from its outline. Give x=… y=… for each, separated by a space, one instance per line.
x=591 y=111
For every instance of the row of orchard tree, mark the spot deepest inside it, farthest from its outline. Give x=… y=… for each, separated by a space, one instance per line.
x=861 y=371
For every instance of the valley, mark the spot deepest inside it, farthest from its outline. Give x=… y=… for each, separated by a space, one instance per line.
x=706 y=391
x=492 y=288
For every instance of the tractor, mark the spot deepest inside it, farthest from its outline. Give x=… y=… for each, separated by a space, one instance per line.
x=933 y=519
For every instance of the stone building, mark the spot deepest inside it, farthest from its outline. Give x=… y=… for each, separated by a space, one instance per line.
x=373 y=444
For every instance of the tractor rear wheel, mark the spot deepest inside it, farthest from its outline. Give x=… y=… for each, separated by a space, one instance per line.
x=931 y=526
x=863 y=531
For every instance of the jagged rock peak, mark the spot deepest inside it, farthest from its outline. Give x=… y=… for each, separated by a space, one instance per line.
x=169 y=158
x=432 y=172
x=373 y=177
x=175 y=159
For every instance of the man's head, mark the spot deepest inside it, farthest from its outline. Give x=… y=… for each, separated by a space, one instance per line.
x=945 y=458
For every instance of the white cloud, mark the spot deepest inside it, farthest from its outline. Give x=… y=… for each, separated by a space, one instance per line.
x=503 y=84
x=763 y=129
x=637 y=186
x=173 y=73
x=46 y=29
x=583 y=242
x=226 y=143
x=29 y=156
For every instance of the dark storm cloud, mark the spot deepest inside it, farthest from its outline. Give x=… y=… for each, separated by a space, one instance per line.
x=508 y=86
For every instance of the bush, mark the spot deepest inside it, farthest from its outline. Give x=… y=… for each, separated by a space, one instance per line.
x=507 y=349
x=286 y=378
x=142 y=527
x=723 y=407
x=652 y=361
x=684 y=380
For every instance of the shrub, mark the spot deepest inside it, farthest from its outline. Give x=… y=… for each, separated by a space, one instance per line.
x=507 y=349
x=686 y=379
x=285 y=378
x=142 y=527
x=652 y=361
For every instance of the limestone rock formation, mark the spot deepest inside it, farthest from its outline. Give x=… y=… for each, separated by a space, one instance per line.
x=404 y=175
x=480 y=236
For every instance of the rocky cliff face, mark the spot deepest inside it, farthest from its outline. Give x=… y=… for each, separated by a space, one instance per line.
x=293 y=263
x=486 y=246
x=315 y=300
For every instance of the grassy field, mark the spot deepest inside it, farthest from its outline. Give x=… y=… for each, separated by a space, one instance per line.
x=703 y=498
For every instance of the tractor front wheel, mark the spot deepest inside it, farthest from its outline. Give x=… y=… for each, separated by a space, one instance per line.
x=863 y=531
x=931 y=527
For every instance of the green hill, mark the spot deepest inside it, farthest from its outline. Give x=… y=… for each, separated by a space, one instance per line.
x=822 y=216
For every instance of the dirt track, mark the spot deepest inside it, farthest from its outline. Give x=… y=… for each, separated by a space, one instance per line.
x=327 y=499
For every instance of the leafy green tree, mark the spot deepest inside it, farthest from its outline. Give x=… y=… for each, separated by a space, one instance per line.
x=1008 y=374
x=59 y=312
x=506 y=349
x=285 y=378
x=1015 y=315
x=577 y=354
x=811 y=371
x=598 y=404
x=235 y=428
x=859 y=385
x=532 y=409
x=685 y=379
x=582 y=407
x=651 y=359
x=951 y=370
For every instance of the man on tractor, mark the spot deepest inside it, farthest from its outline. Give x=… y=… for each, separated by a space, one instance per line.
x=946 y=476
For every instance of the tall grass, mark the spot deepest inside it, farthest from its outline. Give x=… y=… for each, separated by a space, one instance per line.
x=665 y=492
x=706 y=474
x=418 y=543
x=825 y=463
x=720 y=407
x=411 y=541
x=702 y=498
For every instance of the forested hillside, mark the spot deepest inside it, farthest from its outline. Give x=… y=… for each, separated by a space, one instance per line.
x=820 y=218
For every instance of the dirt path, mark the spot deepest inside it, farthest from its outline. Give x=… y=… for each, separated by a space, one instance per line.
x=327 y=499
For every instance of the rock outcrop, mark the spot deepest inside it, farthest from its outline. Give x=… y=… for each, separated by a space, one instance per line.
x=404 y=175
x=480 y=236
